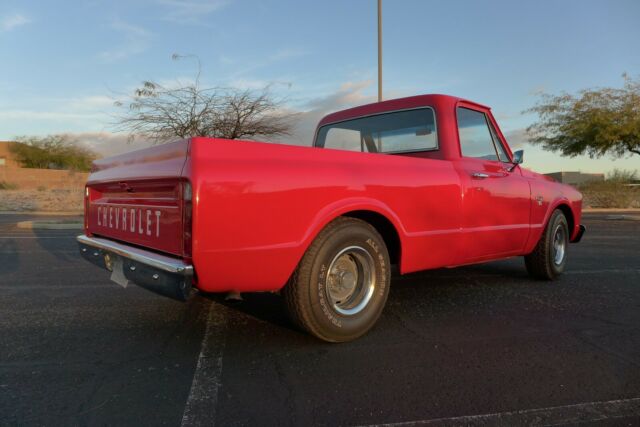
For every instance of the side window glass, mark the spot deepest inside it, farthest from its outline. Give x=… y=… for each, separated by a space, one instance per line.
x=344 y=139
x=502 y=153
x=395 y=133
x=475 y=137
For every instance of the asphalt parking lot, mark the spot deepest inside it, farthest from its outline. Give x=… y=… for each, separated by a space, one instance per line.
x=479 y=345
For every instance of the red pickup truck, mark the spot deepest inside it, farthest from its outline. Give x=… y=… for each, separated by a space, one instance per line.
x=422 y=182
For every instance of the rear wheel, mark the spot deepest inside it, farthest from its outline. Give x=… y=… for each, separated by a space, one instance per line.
x=548 y=259
x=341 y=285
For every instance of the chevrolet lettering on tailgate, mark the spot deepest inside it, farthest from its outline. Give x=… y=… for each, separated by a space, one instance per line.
x=133 y=220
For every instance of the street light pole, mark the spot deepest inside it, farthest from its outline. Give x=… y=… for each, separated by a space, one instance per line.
x=379 y=50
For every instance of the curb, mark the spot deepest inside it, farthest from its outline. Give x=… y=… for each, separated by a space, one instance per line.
x=50 y=225
x=44 y=213
x=611 y=210
x=623 y=217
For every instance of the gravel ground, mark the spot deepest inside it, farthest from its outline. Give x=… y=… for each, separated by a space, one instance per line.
x=41 y=200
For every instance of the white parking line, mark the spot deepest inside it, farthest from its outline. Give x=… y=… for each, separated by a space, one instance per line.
x=57 y=287
x=200 y=409
x=556 y=415
x=37 y=237
x=463 y=274
x=37 y=251
x=605 y=270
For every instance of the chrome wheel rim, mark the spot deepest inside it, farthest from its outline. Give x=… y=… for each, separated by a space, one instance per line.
x=351 y=280
x=559 y=244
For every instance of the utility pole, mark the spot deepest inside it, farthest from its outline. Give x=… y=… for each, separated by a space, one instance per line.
x=379 y=50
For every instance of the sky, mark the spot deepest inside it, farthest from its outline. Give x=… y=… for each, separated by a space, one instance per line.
x=65 y=63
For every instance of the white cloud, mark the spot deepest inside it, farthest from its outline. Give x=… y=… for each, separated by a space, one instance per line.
x=107 y=144
x=46 y=115
x=349 y=94
x=517 y=139
x=305 y=120
x=248 y=84
x=286 y=53
x=78 y=116
x=12 y=22
x=279 y=55
x=225 y=60
x=136 y=40
x=92 y=102
x=190 y=11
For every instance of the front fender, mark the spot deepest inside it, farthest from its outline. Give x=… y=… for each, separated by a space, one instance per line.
x=567 y=206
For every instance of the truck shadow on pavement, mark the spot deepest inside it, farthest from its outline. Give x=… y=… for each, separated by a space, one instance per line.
x=433 y=292
x=53 y=244
x=9 y=257
x=265 y=306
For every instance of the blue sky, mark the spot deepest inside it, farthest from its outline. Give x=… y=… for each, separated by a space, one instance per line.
x=63 y=63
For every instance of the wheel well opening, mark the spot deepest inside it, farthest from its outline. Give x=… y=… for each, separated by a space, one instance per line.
x=566 y=210
x=385 y=228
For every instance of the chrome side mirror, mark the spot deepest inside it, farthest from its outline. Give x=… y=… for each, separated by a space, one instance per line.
x=518 y=158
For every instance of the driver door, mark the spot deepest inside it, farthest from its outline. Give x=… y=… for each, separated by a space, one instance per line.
x=496 y=197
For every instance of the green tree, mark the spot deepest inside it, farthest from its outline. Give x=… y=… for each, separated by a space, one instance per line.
x=52 y=152
x=595 y=121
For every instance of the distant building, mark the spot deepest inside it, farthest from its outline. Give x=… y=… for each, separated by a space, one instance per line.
x=576 y=178
x=7 y=159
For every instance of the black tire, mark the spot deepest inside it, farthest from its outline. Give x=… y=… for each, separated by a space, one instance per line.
x=544 y=262
x=348 y=255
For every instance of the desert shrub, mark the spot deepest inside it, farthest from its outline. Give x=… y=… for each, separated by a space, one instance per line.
x=614 y=192
x=4 y=185
x=623 y=176
x=52 y=152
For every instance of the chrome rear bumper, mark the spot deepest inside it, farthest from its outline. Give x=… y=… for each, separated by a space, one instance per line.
x=152 y=259
x=158 y=273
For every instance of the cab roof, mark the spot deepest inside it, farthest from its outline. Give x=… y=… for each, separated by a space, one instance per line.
x=428 y=100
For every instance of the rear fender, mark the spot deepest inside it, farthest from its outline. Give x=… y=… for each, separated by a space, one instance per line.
x=342 y=207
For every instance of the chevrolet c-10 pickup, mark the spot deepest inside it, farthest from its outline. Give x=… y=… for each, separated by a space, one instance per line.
x=421 y=183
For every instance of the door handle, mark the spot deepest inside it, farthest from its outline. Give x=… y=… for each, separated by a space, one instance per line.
x=479 y=175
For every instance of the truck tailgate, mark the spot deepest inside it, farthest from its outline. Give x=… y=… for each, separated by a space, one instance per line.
x=137 y=198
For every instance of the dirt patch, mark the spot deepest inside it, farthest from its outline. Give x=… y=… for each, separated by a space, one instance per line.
x=54 y=200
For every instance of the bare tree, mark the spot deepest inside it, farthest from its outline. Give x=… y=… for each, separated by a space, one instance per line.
x=163 y=113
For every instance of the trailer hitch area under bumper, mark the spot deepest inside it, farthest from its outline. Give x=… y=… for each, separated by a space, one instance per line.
x=161 y=274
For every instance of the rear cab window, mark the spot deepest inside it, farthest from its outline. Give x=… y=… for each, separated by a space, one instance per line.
x=478 y=137
x=397 y=132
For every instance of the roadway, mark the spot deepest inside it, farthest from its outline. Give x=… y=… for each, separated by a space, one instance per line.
x=479 y=345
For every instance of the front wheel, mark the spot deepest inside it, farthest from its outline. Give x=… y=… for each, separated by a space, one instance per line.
x=548 y=259
x=341 y=285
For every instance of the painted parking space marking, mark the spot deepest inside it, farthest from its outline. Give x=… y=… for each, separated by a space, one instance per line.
x=604 y=271
x=200 y=409
x=38 y=237
x=556 y=415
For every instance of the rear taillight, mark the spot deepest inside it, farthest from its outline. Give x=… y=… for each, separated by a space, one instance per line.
x=187 y=218
x=86 y=208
